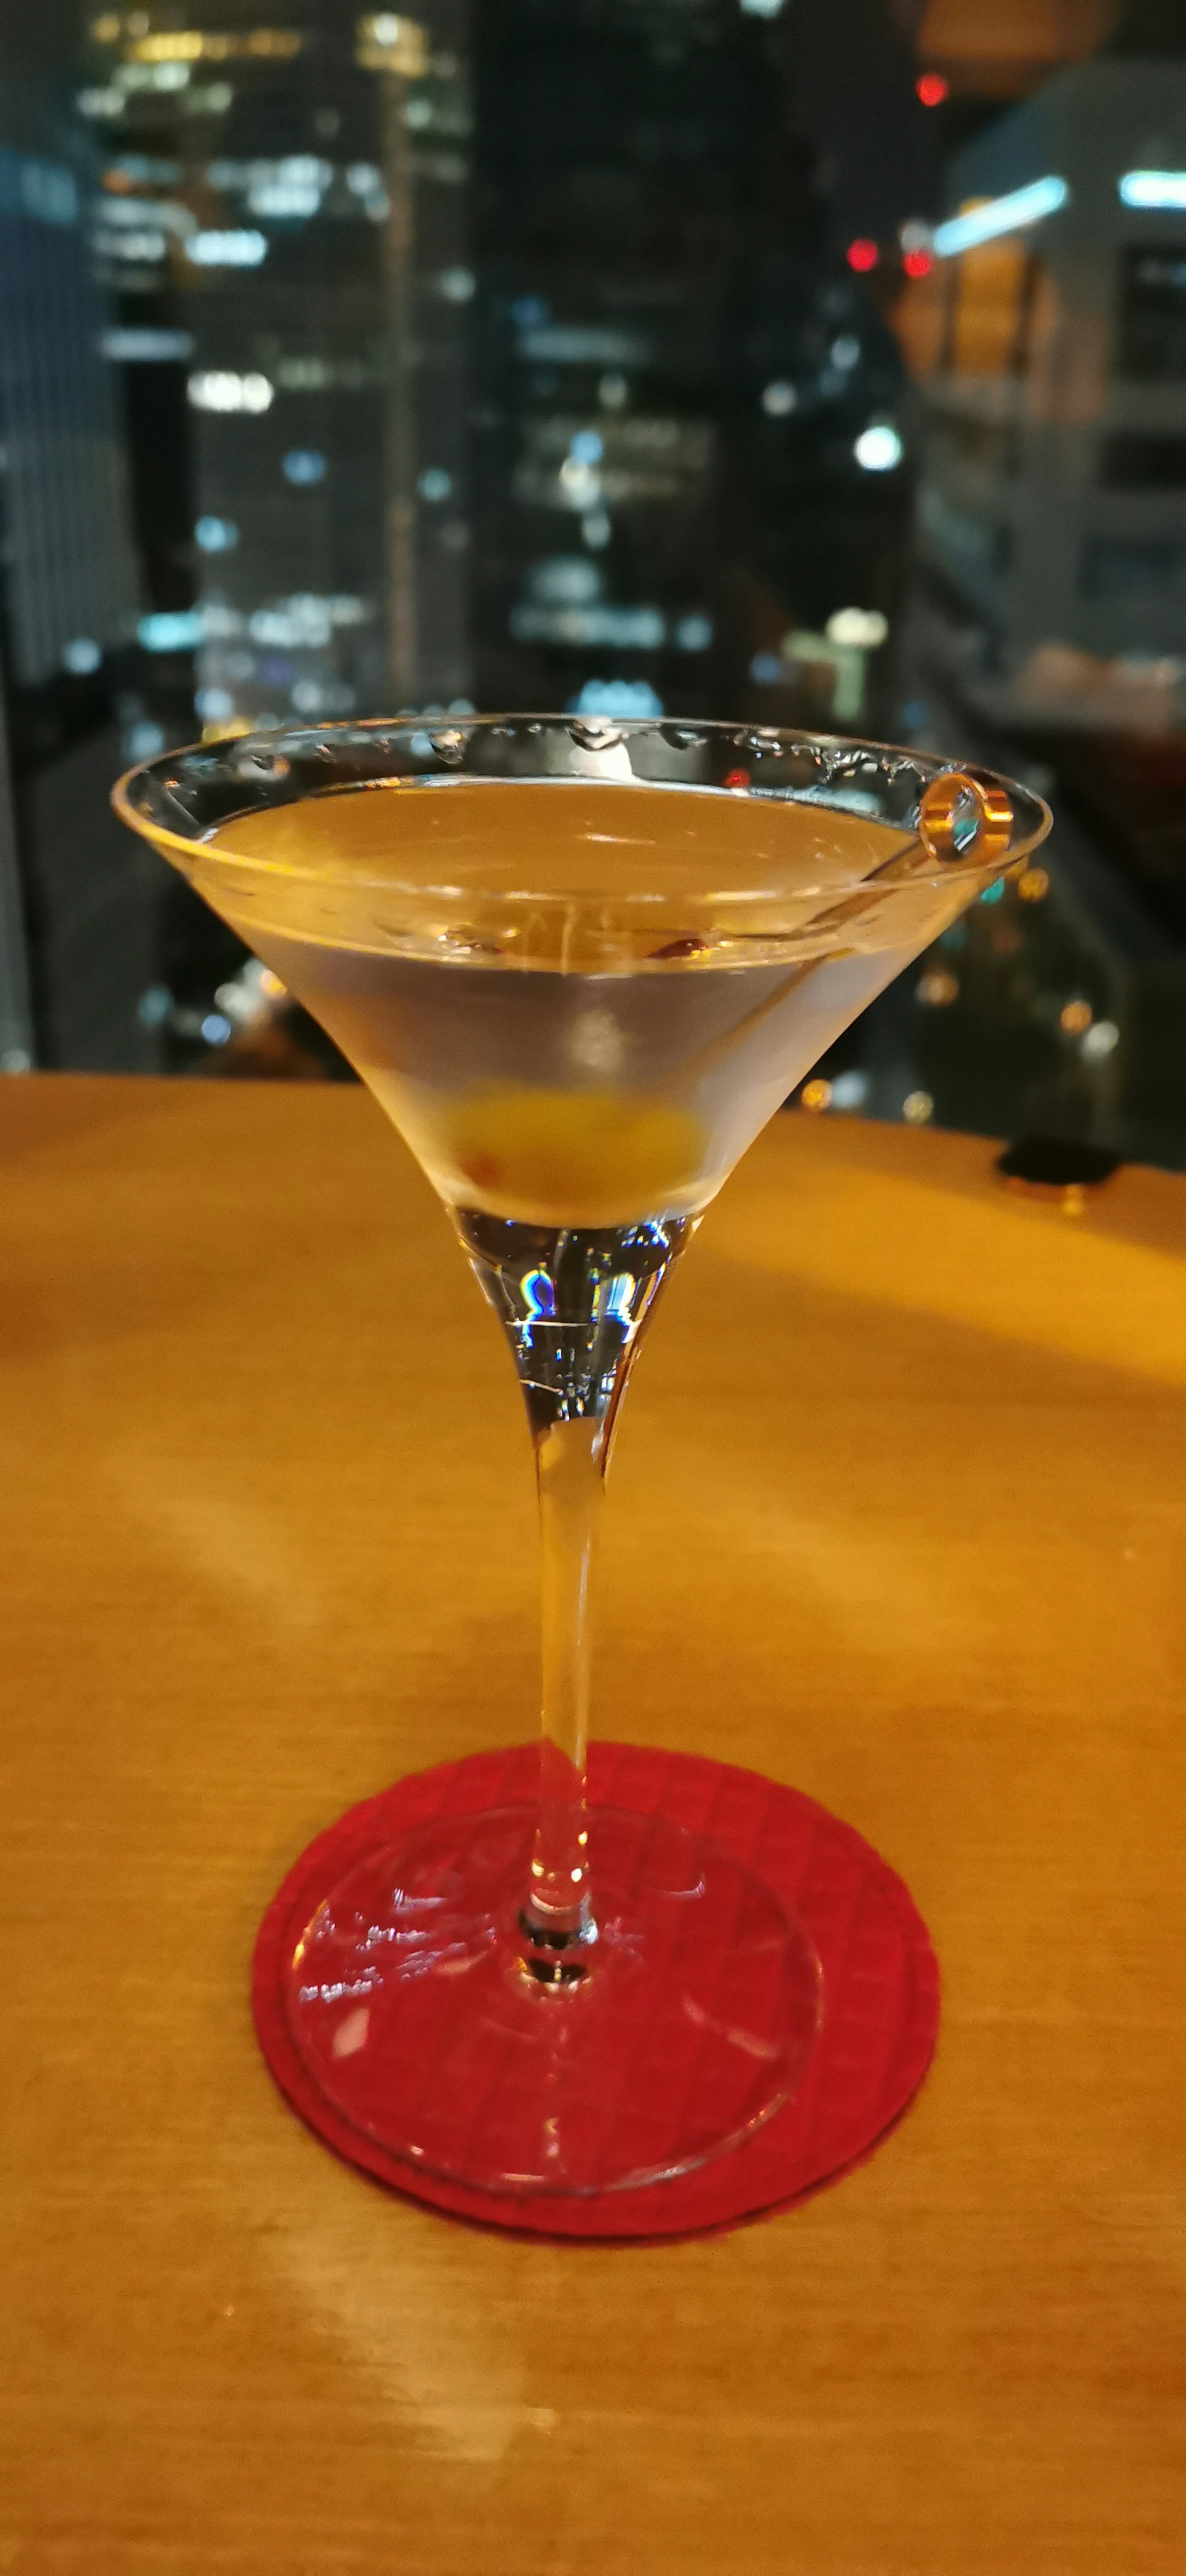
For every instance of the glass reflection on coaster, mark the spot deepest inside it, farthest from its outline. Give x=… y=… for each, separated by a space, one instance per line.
x=870 y=2012
x=414 y=2012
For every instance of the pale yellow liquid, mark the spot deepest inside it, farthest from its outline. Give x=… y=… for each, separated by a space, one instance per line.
x=578 y=1000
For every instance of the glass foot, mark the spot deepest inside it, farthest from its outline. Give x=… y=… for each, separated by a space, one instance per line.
x=409 y=2003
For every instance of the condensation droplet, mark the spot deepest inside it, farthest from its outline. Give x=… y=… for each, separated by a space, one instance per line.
x=596 y=735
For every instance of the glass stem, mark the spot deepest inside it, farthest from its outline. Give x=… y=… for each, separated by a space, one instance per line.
x=570 y=1463
x=573 y=1302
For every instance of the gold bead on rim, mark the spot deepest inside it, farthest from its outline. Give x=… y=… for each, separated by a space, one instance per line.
x=937 y=811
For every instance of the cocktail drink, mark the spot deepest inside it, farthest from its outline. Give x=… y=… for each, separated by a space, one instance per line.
x=579 y=965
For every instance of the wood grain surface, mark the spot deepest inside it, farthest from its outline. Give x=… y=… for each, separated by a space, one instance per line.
x=896 y=1514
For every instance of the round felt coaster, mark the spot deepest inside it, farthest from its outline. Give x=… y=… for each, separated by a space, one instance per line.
x=880 y=2009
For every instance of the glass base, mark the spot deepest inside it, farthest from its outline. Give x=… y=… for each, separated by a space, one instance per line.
x=409 y=2003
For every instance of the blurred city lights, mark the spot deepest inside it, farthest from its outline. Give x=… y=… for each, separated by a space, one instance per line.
x=1153 y=188
x=931 y=88
x=779 y=398
x=390 y=44
x=879 y=448
x=567 y=579
x=816 y=1095
x=1100 y=1040
x=219 y=389
x=303 y=465
x=170 y=630
x=213 y=704
x=996 y=215
x=1033 y=884
x=938 y=988
x=237 y=249
x=216 y=536
x=82 y=654
x=1075 y=1017
x=917 y=1108
x=862 y=255
x=133 y=346
x=189 y=45
x=917 y=263
x=579 y=482
x=864 y=627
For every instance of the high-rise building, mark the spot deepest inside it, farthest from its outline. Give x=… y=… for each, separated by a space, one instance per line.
x=1050 y=344
x=677 y=361
x=284 y=222
x=70 y=909
x=69 y=575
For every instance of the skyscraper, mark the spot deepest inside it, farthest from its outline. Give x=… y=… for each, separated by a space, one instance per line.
x=676 y=360
x=286 y=207
x=68 y=593
x=70 y=582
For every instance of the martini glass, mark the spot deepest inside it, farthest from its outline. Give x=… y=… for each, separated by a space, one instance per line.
x=579 y=964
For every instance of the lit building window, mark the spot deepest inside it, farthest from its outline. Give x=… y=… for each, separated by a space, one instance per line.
x=194 y=45
x=129 y=346
x=170 y=630
x=213 y=704
x=216 y=536
x=227 y=250
x=218 y=389
x=864 y=627
x=879 y=448
x=1153 y=188
x=996 y=215
x=390 y=44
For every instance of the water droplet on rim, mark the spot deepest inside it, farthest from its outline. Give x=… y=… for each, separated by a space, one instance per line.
x=596 y=734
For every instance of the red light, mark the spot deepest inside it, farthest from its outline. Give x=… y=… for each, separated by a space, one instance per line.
x=737 y=778
x=917 y=263
x=862 y=255
x=931 y=88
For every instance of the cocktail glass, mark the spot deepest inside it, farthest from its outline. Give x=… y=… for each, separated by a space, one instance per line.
x=579 y=964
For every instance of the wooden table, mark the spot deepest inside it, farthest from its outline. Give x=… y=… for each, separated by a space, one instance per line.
x=897 y=1514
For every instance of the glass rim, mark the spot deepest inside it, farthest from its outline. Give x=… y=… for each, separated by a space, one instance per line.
x=1030 y=818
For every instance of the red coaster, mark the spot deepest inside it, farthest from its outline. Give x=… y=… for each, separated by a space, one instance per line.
x=880 y=1986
